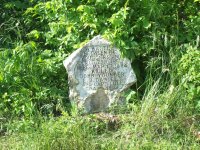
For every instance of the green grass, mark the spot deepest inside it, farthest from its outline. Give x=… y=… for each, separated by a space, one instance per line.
x=150 y=124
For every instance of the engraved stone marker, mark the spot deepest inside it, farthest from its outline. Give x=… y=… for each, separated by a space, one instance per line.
x=98 y=75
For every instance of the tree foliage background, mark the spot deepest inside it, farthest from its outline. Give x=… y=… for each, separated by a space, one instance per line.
x=161 y=38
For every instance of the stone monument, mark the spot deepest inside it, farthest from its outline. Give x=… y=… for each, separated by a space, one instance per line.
x=98 y=75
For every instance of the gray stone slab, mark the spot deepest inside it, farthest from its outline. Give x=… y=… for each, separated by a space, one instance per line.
x=98 y=75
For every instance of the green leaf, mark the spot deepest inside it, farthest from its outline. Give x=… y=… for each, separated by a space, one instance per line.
x=146 y=24
x=1 y=77
x=80 y=8
x=130 y=95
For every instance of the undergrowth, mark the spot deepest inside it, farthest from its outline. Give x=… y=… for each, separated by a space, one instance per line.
x=150 y=124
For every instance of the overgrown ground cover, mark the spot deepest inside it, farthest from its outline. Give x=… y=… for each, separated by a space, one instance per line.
x=161 y=38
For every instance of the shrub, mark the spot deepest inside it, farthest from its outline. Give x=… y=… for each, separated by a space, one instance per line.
x=189 y=73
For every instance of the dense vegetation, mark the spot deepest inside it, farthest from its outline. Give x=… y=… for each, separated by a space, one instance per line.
x=162 y=40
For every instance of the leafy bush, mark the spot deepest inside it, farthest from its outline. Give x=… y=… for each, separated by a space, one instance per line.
x=190 y=76
x=30 y=80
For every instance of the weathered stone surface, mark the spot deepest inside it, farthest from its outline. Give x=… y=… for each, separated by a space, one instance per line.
x=97 y=75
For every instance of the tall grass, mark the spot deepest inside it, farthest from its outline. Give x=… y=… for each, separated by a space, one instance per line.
x=157 y=122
